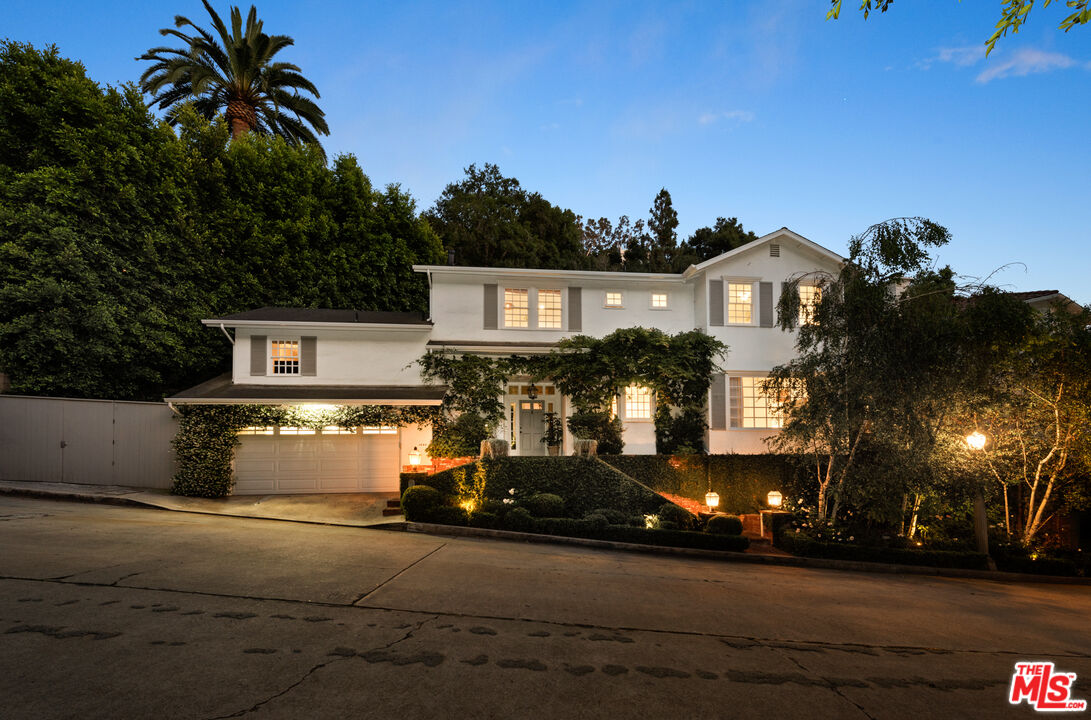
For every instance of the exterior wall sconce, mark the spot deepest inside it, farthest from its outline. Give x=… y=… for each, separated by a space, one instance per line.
x=532 y=391
x=774 y=498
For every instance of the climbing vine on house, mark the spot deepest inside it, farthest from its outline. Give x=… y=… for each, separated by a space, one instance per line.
x=591 y=372
x=208 y=435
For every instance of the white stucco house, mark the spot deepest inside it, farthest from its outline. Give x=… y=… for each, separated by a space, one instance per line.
x=337 y=357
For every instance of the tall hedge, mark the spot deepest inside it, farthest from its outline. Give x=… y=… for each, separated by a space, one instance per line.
x=743 y=482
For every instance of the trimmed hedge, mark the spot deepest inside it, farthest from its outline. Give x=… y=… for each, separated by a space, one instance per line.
x=797 y=543
x=742 y=481
x=724 y=525
x=586 y=484
x=419 y=501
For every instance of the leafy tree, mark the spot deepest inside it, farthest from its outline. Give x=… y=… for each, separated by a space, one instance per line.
x=489 y=220
x=1012 y=16
x=234 y=72
x=708 y=242
x=605 y=242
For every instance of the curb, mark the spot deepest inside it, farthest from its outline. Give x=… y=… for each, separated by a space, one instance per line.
x=729 y=556
x=75 y=496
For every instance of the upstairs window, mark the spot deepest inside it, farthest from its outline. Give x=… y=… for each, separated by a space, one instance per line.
x=516 y=308
x=659 y=300
x=549 y=309
x=613 y=298
x=285 y=355
x=740 y=303
x=638 y=403
x=809 y=297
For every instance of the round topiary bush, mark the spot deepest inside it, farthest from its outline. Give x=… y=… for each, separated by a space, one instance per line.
x=484 y=519
x=545 y=505
x=612 y=515
x=519 y=520
x=684 y=519
x=597 y=521
x=419 y=501
x=724 y=525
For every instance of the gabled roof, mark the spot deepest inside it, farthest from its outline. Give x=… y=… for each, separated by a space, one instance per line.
x=782 y=234
x=320 y=315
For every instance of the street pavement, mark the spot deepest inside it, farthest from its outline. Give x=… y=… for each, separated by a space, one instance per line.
x=119 y=612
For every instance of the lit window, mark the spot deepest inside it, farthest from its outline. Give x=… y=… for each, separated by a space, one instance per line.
x=549 y=309
x=613 y=299
x=659 y=300
x=740 y=303
x=516 y=308
x=338 y=430
x=751 y=406
x=613 y=407
x=809 y=297
x=379 y=430
x=284 y=430
x=258 y=430
x=638 y=403
x=285 y=354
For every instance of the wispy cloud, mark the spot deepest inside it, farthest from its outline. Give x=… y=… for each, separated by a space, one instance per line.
x=739 y=116
x=1018 y=63
x=1026 y=61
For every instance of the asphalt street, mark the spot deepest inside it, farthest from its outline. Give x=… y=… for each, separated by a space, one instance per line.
x=115 y=612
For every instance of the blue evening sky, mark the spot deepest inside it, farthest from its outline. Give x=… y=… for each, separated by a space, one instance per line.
x=759 y=110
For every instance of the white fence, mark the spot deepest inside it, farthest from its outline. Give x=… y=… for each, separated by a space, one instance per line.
x=91 y=442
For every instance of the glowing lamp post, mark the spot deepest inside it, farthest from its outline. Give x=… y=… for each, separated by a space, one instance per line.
x=414 y=458
x=774 y=498
x=712 y=500
x=976 y=442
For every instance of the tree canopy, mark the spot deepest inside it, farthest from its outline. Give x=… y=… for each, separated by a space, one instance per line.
x=1012 y=16
x=234 y=72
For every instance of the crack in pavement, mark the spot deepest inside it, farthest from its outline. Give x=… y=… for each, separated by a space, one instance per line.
x=123 y=577
x=399 y=573
x=754 y=641
x=828 y=683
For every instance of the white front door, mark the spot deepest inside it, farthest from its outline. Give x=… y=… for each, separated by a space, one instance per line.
x=531 y=428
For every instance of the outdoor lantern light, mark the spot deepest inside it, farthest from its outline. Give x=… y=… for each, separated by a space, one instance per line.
x=775 y=498
x=975 y=441
x=532 y=391
x=414 y=457
x=712 y=500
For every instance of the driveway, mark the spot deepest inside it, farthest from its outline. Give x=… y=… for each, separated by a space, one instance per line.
x=125 y=612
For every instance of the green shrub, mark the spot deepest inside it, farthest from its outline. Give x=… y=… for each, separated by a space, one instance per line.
x=676 y=538
x=519 y=520
x=799 y=543
x=460 y=437
x=724 y=525
x=419 y=501
x=612 y=515
x=598 y=426
x=545 y=505
x=448 y=515
x=597 y=521
x=1039 y=566
x=484 y=519
x=677 y=516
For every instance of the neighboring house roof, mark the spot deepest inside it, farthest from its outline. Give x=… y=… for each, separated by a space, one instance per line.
x=1034 y=294
x=320 y=315
x=221 y=391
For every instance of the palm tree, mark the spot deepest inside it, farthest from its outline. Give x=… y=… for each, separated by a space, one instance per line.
x=234 y=73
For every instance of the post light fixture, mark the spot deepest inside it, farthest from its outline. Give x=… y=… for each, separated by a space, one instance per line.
x=774 y=498
x=712 y=500
x=532 y=391
x=976 y=440
x=414 y=457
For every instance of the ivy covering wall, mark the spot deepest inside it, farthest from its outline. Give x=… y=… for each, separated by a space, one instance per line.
x=207 y=435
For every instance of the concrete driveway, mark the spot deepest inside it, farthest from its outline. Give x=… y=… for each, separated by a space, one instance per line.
x=124 y=612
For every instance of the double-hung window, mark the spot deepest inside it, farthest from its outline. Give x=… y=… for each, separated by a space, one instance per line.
x=809 y=297
x=751 y=406
x=516 y=308
x=549 y=309
x=740 y=303
x=285 y=357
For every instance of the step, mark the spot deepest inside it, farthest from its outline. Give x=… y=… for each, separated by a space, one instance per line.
x=394 y=504
x=389 y=511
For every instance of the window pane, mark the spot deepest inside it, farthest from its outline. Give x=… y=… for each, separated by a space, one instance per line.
x=549 y=309
x=809 y=297
x=613 y=299
x=516 y=308
x=659 y=300
x=285 y=354
x=638 y=403
x=740 y=298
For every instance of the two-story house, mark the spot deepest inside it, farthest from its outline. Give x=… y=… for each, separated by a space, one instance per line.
x=318 y=358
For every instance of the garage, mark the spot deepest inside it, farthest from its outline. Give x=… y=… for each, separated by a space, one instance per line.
x=296 y=460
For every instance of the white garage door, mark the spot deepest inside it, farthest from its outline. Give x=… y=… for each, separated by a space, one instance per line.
x=286 y=460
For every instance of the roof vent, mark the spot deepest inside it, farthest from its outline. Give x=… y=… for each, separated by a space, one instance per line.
x=774 y=250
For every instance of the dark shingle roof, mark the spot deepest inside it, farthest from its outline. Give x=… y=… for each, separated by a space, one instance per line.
x=318 y=315
x=220 y=390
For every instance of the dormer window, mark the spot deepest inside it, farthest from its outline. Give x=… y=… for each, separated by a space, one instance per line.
x=613 y=299
x=285 y=357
